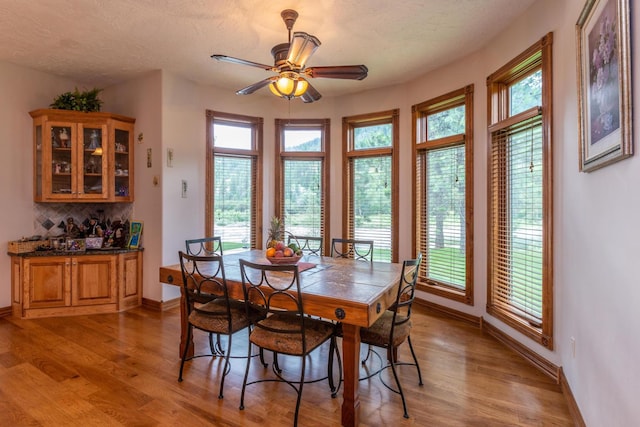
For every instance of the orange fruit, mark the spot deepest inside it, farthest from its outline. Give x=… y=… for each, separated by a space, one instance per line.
x=271 y=252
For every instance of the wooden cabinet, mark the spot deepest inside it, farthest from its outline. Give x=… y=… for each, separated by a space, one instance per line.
x=45 y=286
x=82 y=157
x=129 y=280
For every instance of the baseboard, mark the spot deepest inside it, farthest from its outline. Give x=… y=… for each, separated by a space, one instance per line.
x=160 y=305
x=540 y=362
x=578 y=421
x=5 y=311
x=449 y=312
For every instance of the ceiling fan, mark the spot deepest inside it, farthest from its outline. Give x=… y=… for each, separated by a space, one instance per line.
x=290 y=63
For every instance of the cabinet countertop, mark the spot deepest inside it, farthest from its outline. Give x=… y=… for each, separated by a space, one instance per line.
x=76 y=253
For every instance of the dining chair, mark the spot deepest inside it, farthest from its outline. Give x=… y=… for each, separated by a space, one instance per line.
x=310 y=245
x=207 y=246
x=204 y=246
x=274 y=290
x=358 y=249
x=393 y=328
x=209 y=307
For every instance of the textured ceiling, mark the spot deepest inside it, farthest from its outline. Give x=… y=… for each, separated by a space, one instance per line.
x=102 y=42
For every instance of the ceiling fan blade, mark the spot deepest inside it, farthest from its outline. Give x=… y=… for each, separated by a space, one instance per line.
x=254 y=87
x=225 y=58
x=310 y=95
x=352 y=72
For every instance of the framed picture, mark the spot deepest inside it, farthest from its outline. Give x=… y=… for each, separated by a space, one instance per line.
x=604 y=83
x=93 y=242
x=135 y=232
x=75 y=245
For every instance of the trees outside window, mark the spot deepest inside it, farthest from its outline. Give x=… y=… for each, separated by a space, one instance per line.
x=370 y=202
x=233 y=183
x=302 y=171
x=443 y=194
x=520 y=279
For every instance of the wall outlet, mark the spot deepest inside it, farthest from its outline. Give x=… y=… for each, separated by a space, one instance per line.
x=184 y=189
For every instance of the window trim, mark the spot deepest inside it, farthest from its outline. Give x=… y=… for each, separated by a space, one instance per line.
x=348 y=152
x=256 y=124
x=537 y=56
x=463 y=96
x=324 y=155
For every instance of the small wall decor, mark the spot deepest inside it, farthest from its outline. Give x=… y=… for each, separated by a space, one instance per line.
x=134 y=234
x=604 y=83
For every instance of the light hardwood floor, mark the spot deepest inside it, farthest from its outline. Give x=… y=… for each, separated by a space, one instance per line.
x=121 y=369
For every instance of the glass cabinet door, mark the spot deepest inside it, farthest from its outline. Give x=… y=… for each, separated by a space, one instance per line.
x=92 y=162
x=61 y=182
x=123 y=162
x=82 y=157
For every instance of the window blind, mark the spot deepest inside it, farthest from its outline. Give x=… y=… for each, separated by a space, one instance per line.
x=234 y=191
x=444 y=219
x=517 y=218
x=370 y=213
x=303 y=198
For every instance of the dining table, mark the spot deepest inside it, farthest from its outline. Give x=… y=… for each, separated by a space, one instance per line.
x=354 y=293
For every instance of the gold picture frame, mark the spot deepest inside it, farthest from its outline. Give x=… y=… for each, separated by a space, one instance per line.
x=604 y=83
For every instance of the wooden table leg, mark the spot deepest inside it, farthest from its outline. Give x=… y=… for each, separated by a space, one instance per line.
x=351 y=359
x=183 y=327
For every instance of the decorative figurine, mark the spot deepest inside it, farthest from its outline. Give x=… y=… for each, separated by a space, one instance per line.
x=94 y=140
x=71 y=229
x=64 y=138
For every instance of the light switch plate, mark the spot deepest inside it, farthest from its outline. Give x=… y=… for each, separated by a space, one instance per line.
x=169 y=157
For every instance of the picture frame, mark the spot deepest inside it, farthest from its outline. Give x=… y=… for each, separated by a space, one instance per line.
x=604 y=83
x=75 y=245
x=94 y=242
x=135 y=233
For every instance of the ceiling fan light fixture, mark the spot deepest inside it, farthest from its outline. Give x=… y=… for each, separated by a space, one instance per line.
x=289 y=85
x=302 y=47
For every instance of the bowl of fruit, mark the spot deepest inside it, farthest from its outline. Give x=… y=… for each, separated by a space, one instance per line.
x=277 y=251
x=281 y=254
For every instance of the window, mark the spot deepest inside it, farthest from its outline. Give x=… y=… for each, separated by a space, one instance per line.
x=302 y=174
x=233 y=208
x=520 y=281
x=371 y=165
x=443 y=192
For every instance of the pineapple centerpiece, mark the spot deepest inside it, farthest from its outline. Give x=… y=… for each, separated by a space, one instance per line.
x=277 y=251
